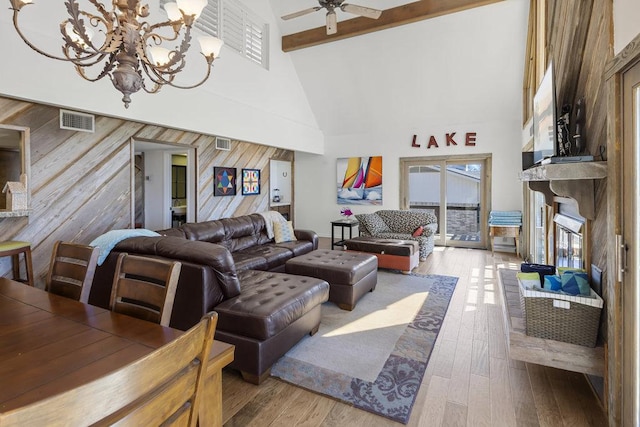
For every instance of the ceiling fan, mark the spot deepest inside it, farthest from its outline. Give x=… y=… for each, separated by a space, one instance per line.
x=331 y=6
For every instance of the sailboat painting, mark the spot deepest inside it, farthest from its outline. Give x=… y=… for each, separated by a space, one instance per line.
x=359 y=180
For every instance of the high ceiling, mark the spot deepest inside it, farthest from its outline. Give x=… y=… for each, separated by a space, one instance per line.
x=309 y=30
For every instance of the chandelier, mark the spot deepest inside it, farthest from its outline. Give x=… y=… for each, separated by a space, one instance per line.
x=130 y=49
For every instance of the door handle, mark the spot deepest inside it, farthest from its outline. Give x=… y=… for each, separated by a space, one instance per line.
x=621 y=257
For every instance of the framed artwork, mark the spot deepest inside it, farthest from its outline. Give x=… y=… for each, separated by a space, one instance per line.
x=224 y=181
x=359 y=180
x=250 y=182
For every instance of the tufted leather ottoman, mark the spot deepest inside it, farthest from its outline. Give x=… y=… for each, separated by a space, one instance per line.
x=349 y=274
x=271 y=314
x=391 y=253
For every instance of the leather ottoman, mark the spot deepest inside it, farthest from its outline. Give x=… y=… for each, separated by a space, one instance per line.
x=395 y=254
x=271 y=314
x=350 y=275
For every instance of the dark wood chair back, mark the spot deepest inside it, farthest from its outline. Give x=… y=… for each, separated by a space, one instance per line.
x=162 y=388
x=71 y=270
x=145 y=287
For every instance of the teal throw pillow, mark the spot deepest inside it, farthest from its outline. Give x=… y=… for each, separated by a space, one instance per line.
x=575 y=282
x=552 y=283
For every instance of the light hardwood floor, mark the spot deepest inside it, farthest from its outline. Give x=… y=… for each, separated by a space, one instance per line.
x=470 y=380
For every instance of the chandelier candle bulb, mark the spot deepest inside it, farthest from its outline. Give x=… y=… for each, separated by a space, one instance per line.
x=130 y=50
x=192 y=7
x=76 y=37
x=173 y=12
x=159 y=55
x=210 y=46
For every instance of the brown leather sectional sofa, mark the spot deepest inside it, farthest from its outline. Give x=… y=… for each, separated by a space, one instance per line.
x=231 y=266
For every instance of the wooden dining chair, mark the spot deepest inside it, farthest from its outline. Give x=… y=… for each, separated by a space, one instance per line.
x=162 y=388
x=145 y=287
x=71 y=270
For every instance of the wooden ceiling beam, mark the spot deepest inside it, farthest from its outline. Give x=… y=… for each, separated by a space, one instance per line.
x=394 y=17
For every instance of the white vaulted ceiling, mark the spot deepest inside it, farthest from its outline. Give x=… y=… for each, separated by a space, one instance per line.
x=439 y=70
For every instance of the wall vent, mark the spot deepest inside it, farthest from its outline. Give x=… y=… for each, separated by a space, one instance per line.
x=223 y=144
x=72 y=120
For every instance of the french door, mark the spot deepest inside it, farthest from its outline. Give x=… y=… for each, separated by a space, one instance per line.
x=456 y=190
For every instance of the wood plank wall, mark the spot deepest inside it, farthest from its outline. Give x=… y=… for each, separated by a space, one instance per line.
x=80 y=182
x=579 y=41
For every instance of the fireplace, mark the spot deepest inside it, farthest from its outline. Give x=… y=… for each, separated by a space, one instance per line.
x=569 y=239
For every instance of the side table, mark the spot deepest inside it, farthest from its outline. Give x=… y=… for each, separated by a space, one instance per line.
x=505 y=231
x=342 y=224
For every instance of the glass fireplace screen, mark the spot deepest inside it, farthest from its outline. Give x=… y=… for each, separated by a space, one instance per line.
x=569 y=248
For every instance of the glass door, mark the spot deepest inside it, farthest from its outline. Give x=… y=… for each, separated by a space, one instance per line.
x=455 y=190
x=463 y=195
x=424 y=190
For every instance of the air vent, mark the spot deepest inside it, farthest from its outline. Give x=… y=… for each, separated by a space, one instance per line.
x=223 y=144
x=72 y=120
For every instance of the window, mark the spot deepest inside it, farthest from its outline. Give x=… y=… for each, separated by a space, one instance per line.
x=242 y=30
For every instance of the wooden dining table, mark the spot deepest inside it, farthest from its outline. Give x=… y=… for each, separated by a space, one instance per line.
x=50 y=344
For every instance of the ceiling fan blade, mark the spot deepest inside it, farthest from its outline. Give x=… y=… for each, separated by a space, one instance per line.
x=302 y=12
x=332 y=23
x=367 y=12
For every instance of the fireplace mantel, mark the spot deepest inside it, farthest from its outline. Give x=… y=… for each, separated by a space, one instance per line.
x=574 y=180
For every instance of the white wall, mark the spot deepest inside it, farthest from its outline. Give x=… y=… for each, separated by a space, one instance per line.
x=241 y=100
x=457 y=73
x=625 y=23
x=280 y=178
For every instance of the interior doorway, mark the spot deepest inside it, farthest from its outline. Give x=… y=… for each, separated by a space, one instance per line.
x=163 y=184
x=456 y=189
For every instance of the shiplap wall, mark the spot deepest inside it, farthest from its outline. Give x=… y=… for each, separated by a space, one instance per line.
x=81 y=182
x=580 y=45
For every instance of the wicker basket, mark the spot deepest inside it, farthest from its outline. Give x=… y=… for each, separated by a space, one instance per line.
x=570 y=319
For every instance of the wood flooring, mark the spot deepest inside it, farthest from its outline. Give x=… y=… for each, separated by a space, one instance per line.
x=470 y=380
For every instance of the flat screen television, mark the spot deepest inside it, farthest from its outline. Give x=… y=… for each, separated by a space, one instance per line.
x=544 y=118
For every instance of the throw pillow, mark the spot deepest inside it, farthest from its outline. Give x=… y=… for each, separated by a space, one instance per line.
x=575 y=282
x=418 y=231
x=528 y=280
x=552 y=283
x=283 y=232
x=373 y=224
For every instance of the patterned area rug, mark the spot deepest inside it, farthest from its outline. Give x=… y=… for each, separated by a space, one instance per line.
x=375 y=356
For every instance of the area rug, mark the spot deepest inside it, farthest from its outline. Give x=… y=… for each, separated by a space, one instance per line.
x=375 y=356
